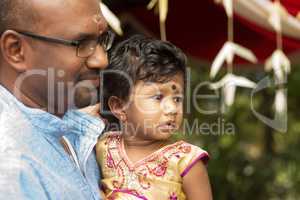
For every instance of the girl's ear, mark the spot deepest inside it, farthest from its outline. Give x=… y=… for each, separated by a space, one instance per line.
x=117 y=107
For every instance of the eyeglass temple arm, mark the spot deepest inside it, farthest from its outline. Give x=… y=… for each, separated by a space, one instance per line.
x=50 y=39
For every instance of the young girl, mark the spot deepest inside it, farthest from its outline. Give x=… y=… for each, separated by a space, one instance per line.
x=144 y=89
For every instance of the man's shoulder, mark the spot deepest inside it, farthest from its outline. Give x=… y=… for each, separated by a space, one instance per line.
x=16 y=142
x=17 y=134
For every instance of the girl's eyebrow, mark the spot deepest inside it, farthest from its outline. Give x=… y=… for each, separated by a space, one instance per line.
x=153 y=87
x=152 y=90
x=148 y=83
x=170 y=89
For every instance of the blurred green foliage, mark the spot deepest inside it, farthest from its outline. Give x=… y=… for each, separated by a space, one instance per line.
x=254 y=161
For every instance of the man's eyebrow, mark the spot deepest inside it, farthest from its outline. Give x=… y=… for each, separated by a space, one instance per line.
x=80 y=36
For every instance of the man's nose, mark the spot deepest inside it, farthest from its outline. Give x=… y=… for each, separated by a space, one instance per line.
x=98 y=60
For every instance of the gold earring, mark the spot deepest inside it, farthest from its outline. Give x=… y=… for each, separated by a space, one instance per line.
x=123 y=118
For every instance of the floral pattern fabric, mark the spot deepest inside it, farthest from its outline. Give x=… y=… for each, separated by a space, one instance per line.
x=157 y=176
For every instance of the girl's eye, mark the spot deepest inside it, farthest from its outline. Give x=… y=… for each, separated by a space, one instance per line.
x=158 y=97
x=178 y=99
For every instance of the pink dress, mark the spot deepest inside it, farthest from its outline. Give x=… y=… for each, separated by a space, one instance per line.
x=157 y=177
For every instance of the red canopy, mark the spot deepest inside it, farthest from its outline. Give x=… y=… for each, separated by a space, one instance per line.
x=293 y=6
x=199 y=27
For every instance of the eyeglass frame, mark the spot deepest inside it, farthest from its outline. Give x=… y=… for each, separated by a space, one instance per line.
x=75 y=43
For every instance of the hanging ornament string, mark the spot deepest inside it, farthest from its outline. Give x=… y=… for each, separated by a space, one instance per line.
x=279 y=33
x=278 y=61
x=163 y=11
x=230 y=32
x=230 y=82
x=162 y=7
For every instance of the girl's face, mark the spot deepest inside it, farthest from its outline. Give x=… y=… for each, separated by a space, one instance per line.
x=155 y=110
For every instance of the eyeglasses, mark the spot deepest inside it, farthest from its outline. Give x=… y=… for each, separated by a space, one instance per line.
x=84 y=47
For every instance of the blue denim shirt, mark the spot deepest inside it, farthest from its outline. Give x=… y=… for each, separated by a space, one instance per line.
x=33 y=163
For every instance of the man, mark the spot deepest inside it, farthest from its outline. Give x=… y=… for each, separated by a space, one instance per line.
x=51 y=52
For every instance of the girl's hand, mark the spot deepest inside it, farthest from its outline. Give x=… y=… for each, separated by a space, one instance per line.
x=103 y=197
x=93 y=111
x=196 y=183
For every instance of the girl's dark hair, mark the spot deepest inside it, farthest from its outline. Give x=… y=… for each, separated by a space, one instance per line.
x=140 y=58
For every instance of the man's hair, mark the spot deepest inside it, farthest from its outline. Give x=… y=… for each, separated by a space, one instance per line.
x=16 y=14
x=140 y=58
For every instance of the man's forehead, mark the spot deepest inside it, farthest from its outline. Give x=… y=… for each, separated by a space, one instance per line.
x=70 y=15
x=65 y=4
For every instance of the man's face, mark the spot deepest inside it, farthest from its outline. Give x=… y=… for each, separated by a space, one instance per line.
x=58 y=78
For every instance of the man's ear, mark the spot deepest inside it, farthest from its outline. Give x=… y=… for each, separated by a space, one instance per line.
x=117 y=107
x=12 y=49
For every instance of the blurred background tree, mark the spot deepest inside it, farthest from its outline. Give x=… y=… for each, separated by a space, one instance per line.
x=255 y=162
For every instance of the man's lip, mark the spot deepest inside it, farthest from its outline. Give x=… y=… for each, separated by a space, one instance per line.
x=89 y=77
x=94 y=81
x=92 y=77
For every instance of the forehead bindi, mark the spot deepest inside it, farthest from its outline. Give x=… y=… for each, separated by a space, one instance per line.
x=173 y=87
x=88 y=27
x=100 y=22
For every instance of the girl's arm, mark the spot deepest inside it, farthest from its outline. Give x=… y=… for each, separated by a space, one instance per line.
x=103 y=197
x=196 y=184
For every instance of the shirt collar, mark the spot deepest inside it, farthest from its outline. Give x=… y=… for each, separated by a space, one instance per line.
x=48 y=123
x=73 y=121
x=84 y=124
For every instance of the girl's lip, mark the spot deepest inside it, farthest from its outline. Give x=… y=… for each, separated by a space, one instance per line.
x=168 y=126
